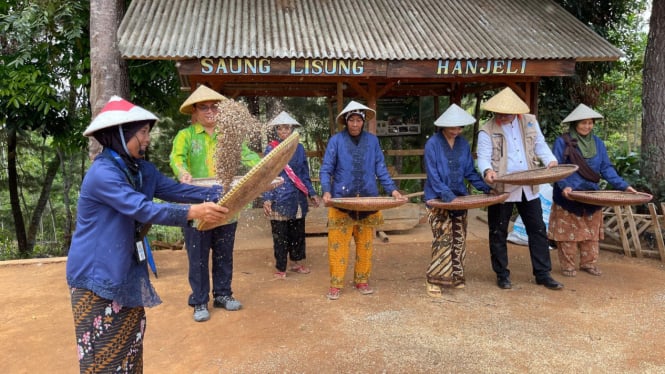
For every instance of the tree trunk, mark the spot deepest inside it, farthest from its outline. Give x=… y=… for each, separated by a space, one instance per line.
x=68 y=225
x=44 y=194
x=653 y=102
x=108 y=70
x=12 y=174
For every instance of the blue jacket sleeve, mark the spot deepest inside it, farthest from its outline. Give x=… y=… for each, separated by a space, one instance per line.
x=270 y=194
x=607 y=170
x=381 y=170
x=435 y=185
x=328 y=165
x=471 y=175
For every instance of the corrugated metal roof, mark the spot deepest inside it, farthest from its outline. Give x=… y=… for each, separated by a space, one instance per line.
x=358 y=29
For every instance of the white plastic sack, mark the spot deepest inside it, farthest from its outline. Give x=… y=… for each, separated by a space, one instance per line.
x=518 y=234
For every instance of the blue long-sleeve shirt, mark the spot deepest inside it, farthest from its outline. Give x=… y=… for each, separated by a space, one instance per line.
x=351 y=170
x=287 y=198
x=600 y=163
x=447 y=168
x=101 y=255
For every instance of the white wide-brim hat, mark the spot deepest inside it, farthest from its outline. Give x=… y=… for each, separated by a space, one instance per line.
x=201 y=94
x=355 y=107
x=454 y=116
x=580 y=113
x=116 y=112
x=283 y=118
x=506 y=102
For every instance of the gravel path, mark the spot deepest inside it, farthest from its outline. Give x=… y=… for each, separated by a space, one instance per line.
x=608 y=324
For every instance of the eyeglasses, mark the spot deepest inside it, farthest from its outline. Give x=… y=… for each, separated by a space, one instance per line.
x=205 y=108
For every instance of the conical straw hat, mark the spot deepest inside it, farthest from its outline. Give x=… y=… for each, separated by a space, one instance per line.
x=582 y=112
x=454 y=116
x=355 y=107
x=283 y=119
x=201 y=94
x=116 y=112
x=506 y=102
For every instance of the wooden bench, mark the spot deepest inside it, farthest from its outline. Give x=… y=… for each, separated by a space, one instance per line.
x=408 y=176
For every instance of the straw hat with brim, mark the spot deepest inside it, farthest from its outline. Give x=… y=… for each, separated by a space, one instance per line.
x=283 y=119
x=355 y=108
x=582 y=112
x=201 y=94
x=506 y=102
x=116 y=112
x=454 y=116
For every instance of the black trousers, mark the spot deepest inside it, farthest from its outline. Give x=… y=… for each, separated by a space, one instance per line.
x=288 y=239
x=498 y=217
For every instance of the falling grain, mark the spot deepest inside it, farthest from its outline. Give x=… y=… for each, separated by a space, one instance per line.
x=234 y=125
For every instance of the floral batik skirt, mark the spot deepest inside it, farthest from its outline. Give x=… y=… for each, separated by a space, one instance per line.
x=109 y=337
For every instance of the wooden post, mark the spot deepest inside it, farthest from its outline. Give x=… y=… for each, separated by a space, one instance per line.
x=633 y=231
x=622 y=231
x=340 y=107
x=371 y=102
x=476 y=126
x=656 y=231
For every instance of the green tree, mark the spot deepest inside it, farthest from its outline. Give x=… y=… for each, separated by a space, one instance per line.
x=43 y=80
x=618 y=21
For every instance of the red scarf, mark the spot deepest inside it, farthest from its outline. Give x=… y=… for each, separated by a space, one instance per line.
x=291 y=174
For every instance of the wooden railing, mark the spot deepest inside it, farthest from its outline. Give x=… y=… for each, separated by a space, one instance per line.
x=390 y=152
x=405 y=153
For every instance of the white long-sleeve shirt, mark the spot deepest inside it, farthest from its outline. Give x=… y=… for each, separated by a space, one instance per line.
x=516 y=156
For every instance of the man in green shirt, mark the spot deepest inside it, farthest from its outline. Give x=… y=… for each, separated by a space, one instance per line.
x=192 y=156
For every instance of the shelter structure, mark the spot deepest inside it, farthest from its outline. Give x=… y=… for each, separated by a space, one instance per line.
x=375 y=51
x=364 y=49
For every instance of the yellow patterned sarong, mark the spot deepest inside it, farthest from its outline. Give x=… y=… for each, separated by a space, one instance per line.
x=341 y=228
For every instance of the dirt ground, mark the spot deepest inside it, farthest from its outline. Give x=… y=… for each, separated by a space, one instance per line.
x=608 y=324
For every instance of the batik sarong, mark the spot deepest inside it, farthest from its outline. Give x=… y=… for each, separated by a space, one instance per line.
x=109 y=337
x=446 y=268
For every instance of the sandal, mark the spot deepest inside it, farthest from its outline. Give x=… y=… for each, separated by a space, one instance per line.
x=280 y=275
x=593 y=271
x=568 y=273
x=300 y=269
x=433 y=290
x=364 y=289
x=333 y=293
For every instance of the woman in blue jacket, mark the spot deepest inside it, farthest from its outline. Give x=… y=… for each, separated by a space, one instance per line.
x=287 y=205
x=574 y=225
x=106 y=269
x=448 y=163
x=352 y=163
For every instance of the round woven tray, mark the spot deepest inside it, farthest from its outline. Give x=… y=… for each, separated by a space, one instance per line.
x=253 y=183
x=538 y=176
x=469 y=201
x=610 y=198
x=366 y=204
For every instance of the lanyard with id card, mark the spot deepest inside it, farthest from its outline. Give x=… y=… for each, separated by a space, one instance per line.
x=139 y=248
